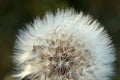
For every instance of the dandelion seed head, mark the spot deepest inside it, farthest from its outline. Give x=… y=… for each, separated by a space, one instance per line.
x=64 y=46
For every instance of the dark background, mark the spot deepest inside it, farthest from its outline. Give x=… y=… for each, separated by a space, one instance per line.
x=14 y=14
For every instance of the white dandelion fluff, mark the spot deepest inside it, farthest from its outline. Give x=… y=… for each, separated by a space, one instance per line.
x=64 y=46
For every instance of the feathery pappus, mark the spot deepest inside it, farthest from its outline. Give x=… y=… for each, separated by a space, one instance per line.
x=64 y=46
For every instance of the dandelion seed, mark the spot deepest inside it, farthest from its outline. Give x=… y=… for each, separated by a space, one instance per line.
x=64 y=46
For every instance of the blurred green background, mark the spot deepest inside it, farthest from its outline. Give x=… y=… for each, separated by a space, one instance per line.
x=14 y=14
